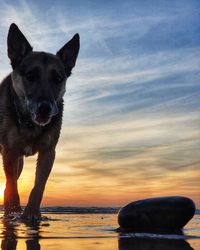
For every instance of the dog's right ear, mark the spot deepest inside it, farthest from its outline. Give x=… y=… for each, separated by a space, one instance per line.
x=69 y=52
x=18 y=46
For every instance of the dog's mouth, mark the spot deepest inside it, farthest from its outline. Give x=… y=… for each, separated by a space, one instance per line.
x=42 y=112
x=41 y=119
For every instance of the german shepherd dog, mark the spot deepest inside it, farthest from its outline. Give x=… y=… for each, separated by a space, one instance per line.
x=31 y=107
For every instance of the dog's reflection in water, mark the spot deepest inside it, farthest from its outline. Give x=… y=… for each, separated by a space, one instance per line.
x=10 y=240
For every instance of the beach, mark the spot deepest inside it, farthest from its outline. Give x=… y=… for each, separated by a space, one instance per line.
x=89 y=229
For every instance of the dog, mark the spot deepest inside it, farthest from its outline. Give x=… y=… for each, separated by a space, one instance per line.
x=31 y=108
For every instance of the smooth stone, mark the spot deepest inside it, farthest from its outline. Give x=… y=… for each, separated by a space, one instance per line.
x=162 y=214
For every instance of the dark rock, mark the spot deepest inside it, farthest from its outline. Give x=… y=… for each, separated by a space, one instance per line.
x=163 y=214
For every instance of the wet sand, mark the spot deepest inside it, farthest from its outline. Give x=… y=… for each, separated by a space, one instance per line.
x=98 y=244
x=88 y=232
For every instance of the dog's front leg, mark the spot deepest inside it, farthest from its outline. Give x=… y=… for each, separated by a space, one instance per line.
x=44 y=166
x=11 y=164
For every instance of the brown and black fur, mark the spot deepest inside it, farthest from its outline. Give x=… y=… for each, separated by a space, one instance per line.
x=31 y=107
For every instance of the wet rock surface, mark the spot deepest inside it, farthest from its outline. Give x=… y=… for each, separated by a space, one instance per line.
x=162 y=214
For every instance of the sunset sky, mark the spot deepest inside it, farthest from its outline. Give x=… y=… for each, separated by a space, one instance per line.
x=131 y=125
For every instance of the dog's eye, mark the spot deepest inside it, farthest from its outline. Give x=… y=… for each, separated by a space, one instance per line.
x=31 y=76
x=57 y=78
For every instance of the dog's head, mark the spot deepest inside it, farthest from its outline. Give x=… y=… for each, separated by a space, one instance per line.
x=39 y=78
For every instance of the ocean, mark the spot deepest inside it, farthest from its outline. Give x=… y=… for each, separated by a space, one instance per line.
x=89 y=228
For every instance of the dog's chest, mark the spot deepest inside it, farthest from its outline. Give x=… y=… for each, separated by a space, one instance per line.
x=28 y=147
x=31 y=145
x=23 y=141
x=28 y=151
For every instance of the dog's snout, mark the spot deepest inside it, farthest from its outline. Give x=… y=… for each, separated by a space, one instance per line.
x=44 y=107
x=42 y=111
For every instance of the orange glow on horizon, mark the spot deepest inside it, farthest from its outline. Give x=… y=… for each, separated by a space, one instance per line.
x=105 y=184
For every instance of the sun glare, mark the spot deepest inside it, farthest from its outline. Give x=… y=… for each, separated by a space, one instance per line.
x=2 y=187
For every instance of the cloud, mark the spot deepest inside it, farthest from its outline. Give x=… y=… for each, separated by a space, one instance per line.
x=101 y=90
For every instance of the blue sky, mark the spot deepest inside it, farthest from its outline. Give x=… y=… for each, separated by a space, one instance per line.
x=131 y=124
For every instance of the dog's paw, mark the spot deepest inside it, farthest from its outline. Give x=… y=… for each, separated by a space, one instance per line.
x=11 y=210
x=30 y=214
x=11 y=204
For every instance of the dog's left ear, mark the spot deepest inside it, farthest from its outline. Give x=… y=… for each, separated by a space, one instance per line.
x=69 y=52
x=18 y=46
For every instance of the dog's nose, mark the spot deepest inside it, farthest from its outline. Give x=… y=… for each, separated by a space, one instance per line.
x=44 y=107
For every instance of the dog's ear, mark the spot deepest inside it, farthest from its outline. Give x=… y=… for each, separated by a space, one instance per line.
x=69 y=52
x=18 y=46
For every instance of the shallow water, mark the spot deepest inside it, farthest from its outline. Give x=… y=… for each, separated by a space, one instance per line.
x=90 y=231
